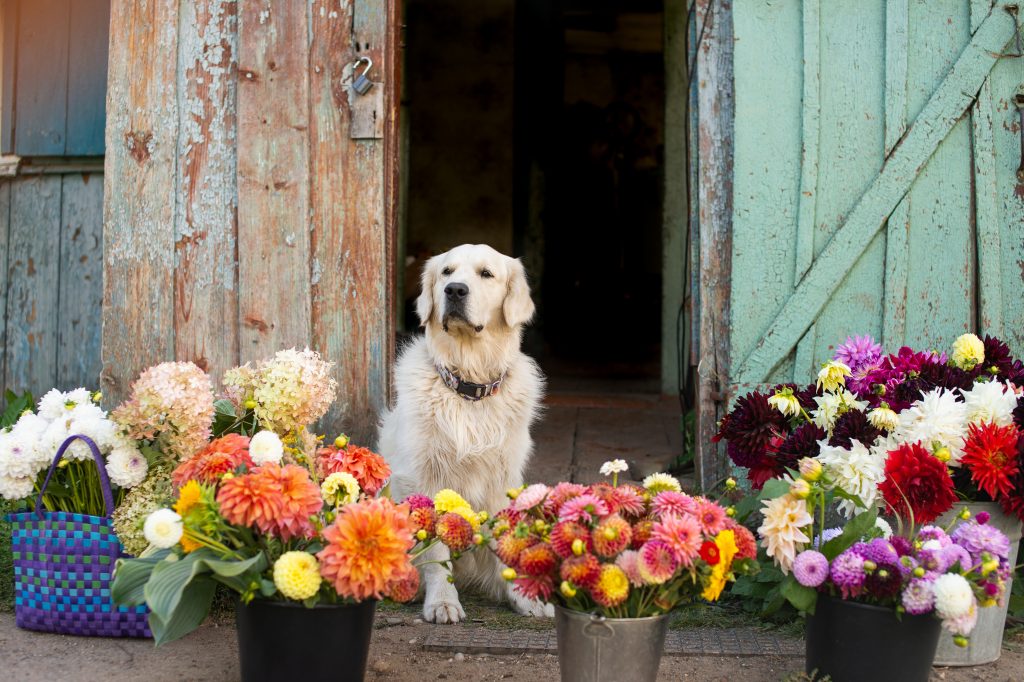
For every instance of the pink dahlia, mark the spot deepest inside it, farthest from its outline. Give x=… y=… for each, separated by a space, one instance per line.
x=710 y=516
x=657 y=562
x=671 y=502
x=532 y=496
x=681 y=534
x=629 y=562
x=585 y=508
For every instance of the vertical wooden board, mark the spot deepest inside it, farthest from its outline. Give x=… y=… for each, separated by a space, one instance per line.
x=767 y=167
x=139 y=192
x=8 y=52
x=80 y=292
x=32 y=284
x=940 y=281
x=852 y=149
x=5 y=227
x=42 y=78
x=351 y=240
x=273 y=178
x=87 y=76
x=205 y=287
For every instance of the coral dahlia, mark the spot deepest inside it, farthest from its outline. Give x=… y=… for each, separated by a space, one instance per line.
x=455 y=531
x=582 y=571
x=221 y=456
x=612 y=534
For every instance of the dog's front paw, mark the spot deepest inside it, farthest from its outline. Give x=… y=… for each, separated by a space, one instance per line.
x=444 y=611
x=530 y=607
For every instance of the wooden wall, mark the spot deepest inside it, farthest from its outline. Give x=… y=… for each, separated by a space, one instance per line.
x=250 y=203
x=51 y=245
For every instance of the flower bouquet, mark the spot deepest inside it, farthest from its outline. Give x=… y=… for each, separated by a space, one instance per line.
x=618 y=558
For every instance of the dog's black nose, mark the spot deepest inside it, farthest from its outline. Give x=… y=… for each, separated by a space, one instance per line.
x=456 y=291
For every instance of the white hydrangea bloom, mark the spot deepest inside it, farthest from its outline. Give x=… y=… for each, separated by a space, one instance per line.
x=937 y=418
x=990 y=401
x=127 y=467
x=16 y=488
x=857 y=470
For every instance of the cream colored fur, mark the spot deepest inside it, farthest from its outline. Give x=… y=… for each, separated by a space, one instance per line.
x=435 y=439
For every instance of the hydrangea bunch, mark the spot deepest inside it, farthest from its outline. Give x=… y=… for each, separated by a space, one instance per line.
x=621 y=550
x=949 y=574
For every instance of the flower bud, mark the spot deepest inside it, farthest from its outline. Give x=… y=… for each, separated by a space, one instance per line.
x=730 y=512
x=567 y=590
x=919 y=572
x=730 y=483
x=482 y=516
x=540 y=526
x=983 y=517
x=341 y=441
x=965 y=513
x=960 y=641
x=227 y=477
x=450 y=578
x=869 y=565
x=421 y=534
x=508 y=574
x=577 y=547
x=943 y=455
x=989 y=566
x=97 y=397
x=800 y=489
x=478 y=539
x=512 y=493
x=249 y=404
x=810 y=469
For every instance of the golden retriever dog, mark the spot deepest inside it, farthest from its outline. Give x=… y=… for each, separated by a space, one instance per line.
x=466 y=396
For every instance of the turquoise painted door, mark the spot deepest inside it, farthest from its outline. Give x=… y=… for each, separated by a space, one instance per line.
x=875 y=178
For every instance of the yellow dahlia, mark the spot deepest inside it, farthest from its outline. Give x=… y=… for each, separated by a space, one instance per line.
x=657 y=483
x=968 y=351
x=297 y=575
x=188 y=497
x=833 y=375
x=612 y=586
x=448 y=500
x=727 y=549
x=340 y=488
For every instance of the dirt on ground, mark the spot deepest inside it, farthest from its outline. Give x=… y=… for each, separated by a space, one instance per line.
x=396 y=655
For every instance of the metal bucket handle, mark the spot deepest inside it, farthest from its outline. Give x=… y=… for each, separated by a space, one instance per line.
x=597 y=628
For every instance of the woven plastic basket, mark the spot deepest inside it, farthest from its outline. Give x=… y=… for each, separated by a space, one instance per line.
x=63 y=567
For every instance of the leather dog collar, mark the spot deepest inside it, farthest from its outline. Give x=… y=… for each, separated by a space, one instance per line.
x=467 y=389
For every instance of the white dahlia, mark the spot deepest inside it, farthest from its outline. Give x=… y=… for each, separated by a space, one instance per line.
x=938 y=419
x=990 y=401
x=857 y=470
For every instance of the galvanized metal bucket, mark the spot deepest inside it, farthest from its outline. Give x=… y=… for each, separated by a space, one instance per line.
x=593 y=648
x=986 y=640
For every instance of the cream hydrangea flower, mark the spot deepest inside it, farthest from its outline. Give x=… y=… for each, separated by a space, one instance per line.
x=833 y=375
x=659 y=483
x=968 y=351
x=938 y=419
x=990 y=401
x=266 y=448
x=785 y=518
x=163 y=528
x=297 y=575
x=340 y=488
x=858 y=470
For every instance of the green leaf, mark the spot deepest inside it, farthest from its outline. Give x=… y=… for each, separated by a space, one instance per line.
x=267 y=587
x=773 y=487
x=859 y=526
x=839 y=492
x=131 y=576
x=773 y=601
x=747 y=506
x=194 y=604
x=803 y=598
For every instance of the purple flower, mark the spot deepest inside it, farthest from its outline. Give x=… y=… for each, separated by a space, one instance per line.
x=955 y=553
x=879 y=550
x=918 y=597
x=991 y=589
x=858 y=351
x=848 y=572
x=977 y=538
x=933 y=533
x=932 y=560
x=827 y=535
x=901 y=545
x=810 y=568
x=907 y=564
x=983 y=517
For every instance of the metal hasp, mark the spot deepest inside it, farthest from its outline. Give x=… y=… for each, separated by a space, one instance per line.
x=362 y=83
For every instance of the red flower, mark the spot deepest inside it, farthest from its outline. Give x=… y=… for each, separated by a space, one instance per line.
x=990 y=454
x=709 y=553
x=916 y=481
x=222 y=456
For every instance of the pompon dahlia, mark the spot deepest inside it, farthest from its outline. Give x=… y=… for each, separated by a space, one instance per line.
x=417 y=501
x=746 y=544
x=221 y=456
x=297 y=575
x=658 y=562
x=878 y=550
x=612 y=586
x=251 y=500
x=300 y=499
x=990 y=454
x=537 y=587
x=918 y=597
x=710 y=516
x=847 y=572
x=918 y=483
x=424 y=518
x=671 y=502
x=368 y=467
x=752 y=423
x=629 y=562
x=564 y=532
x=510 y=547
x=585 y=508
x=406 y=586
x=853 y=425
x=642 y=530
x=611 y=535
x=454 y=531
x=560 y=494
x=810 y=568
x=682 y=534
x=884 y=582
x=581 y=571
x=538 y=559
x=366 y=549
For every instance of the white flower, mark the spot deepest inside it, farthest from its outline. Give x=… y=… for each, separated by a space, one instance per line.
x=86 y=412
x=883 y=417
x=51 y=405
x=953 y=596
x=990 y=401
x=54 y=435
x=340 y=488
x=857 y=470
x=615 y=466
x=657 y=483
x=937 y=418
x=16 y=488
x=833 y=375
x=101 y=431
x=163 y=529
x=785 y=402
x=127 y=467
x=18 y=458
x=832 y=405
x=932 y=545
x=30 y=425
x=266 y=447
x=883 y=525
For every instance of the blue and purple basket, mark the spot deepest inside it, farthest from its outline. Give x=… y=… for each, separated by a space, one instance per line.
x=64 y=564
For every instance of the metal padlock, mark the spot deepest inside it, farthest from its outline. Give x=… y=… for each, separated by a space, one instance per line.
x=362 y=83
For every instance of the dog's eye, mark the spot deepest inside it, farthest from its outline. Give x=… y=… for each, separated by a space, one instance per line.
x=486 y=274
x=446 y=272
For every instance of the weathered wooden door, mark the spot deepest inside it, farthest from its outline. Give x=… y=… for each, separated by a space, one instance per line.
x=874 y=180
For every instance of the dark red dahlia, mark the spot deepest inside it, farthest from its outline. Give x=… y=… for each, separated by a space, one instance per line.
x=902 y=545
x=1018 y=414
x=803 y=442
x=804 y=394
x=917 y=483
x=853 y=425
x=1013 y=503
x=1000 y=361
x=752 y=424
x=931 y=376
x=884 y=582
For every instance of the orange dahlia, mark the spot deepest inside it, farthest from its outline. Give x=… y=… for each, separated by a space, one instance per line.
x=564 y=532
x=221 y=456
x=366 y=550
x=581 y=571
x=746 y=545
x=990 y=454
x=537 y=559
x=367 y=466
x=406 y=587
x=510 y=546
x=300 y=498
x=251 y=500
x=454 y=531
x=612 y=535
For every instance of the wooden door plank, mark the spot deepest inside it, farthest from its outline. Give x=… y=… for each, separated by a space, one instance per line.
x=87 y=77
x=80 y=300
x=32 y=284
x=352 y=200
x=205 y=285
x=940 y=114
x=139 y=192
x=9 y=48
x=273 y=179
x=5 y=228
x=897 y=237
x=42 y=80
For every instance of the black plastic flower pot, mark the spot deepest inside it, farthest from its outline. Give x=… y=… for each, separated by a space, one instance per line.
x=281 y=641
x=852 y=642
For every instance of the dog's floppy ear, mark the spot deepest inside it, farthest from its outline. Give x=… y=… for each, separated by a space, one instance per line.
x=425 y=302
x=518 y=306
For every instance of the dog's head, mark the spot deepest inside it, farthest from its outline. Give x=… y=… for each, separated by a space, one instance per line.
x=473 y=288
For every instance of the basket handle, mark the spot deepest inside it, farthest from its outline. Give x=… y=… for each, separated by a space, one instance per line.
x=101 y=469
